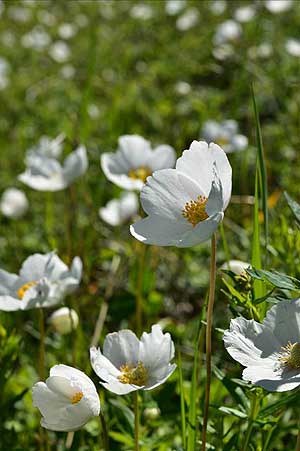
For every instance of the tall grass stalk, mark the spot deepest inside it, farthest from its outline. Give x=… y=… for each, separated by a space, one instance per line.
x=209 y=316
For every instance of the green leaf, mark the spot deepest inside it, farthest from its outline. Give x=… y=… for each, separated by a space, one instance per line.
x=294 y=206
x=182 y=402
x=235 y=412
x=275 y=278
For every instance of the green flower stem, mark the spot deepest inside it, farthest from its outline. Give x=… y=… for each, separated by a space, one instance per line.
x=42 y=345
x=136 y=420
x=50 y=221
x=252 y=416
x=139 y=288
x=105 y=438
x=209 y=317
x=225 y=244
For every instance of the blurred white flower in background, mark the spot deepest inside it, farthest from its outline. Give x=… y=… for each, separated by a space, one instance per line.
x=45 y=173
x=183 y=88
x=67 y=400
x=185 y=205
x=188 y=19
x=43 y=281
x=20 y=14
x=278 y=6
x=217 y=7
x=119 y=211
x=46 y=17
x=4 y=73
x=68 y=71
x=128 y=364
x=263 y=50
x=228 y=31
x=14 y=203
x=67 y=31
x=36 y=39
x=292 y=47
x=64 y=320
x=135 y=160
x=236 y=266
x=245 y=13
x=93 y=111
x=270 y=351
x=174 y=7
x=223 y=52
x=60 y=51
x=151 y=413
x=141 y=11
x=225 y=134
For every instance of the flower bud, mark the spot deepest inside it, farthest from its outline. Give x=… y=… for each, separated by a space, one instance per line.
x=64 y=320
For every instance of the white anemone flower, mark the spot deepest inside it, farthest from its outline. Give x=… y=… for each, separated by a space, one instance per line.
x=14 y=203
x=236 y=266
x=270 y=351
x=43 y=281
x=225 y=134
x=45 y=173
x=134 y=161
x=278 y=6
x=119 y=211
x=128 y=364
x=67 y=400
x=228 y=31
x=64 y=320
x=185 y=205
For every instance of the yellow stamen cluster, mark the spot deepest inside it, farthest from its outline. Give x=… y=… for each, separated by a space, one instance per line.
x=140 y=173
x=194 y=210
x=291 y=356
x=22 y=290
x=77 y=397
x=137 y=375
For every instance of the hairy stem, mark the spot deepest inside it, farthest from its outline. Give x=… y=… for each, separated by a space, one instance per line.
x=209 y=317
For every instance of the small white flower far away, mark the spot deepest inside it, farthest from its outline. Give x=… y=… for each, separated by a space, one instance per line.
x=43 y=281
x=64 y=320
x=67 y=400
x=134 y=161
x=44 y=172
x=270 y=351
x=185 y=205
x=225 y=134
x=128 y=364
x=238 y=267
x=119 y=211
x=14 y=203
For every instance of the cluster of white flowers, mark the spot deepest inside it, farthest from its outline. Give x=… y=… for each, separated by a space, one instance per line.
x=225 y=134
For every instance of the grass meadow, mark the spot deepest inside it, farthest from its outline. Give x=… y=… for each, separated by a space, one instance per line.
x=97 y=70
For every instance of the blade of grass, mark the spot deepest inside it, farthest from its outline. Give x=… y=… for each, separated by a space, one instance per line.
x=182 y=402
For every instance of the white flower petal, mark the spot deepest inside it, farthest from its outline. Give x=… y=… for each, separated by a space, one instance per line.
x=201 y=232
x=111 y=213
x=119 y=388
x=102 y=366
x=10 y=304
x=284 y=320
x=34 y=266
x=121 y=348
x=159 y=231
x=135 y=150
x=163 y=156
x=224 y=170
x=75 y=165
x=7 y=282
x=271 y=378
x=160 y=376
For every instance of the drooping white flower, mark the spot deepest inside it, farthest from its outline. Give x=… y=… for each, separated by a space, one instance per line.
x=185 y=205
x=270 y=351
x=128 y=364
x=45 y=173
x=292 y=47
x=14 y=203
x=227 y=31
x=188 y=19
x=119 y=211
x=225 y=134
x=64 y=320
x=134 y=161
x=67 y=400
x=244 y=13
x=43 y=281
x=236 y=266
x=278 y=6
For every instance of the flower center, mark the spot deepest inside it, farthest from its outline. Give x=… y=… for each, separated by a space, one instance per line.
x=140 y=173
x=22 y=290
x=136 y=375
x=77 y=397
x=291 y=356
x=194 y=210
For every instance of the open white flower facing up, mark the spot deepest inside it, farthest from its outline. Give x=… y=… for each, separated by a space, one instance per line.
x=225 y=134
x=134 y=161
x=128 y=364
x=270 y=351
x=43 y=281
x=43 y=170
x=14 y=203
x=185 y=205
x=67 y=400
x=119 y=211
